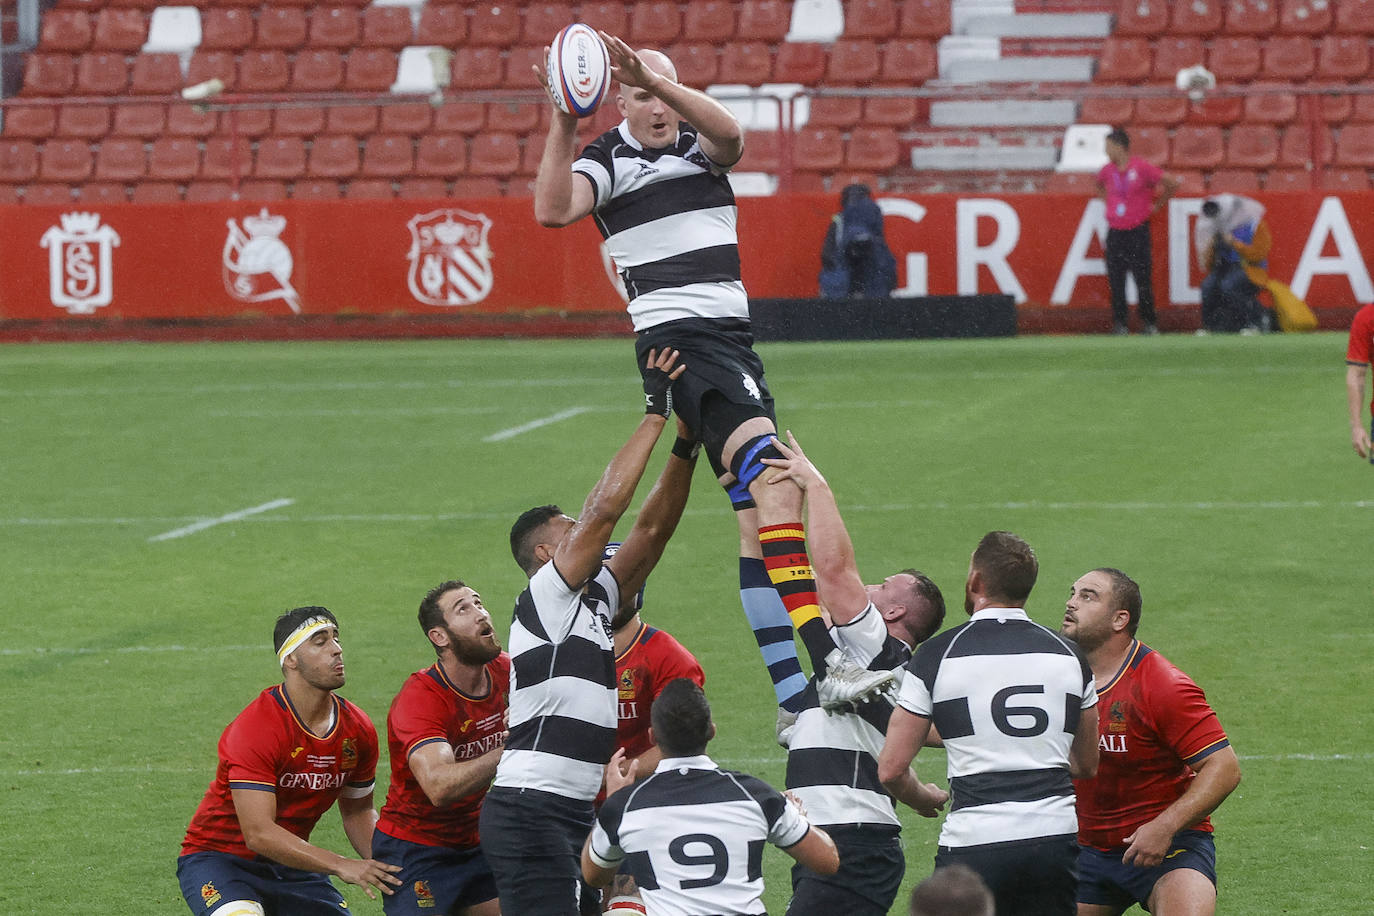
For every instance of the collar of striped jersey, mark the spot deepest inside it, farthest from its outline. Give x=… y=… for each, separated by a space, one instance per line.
x=698 y=762
x=1001 y=613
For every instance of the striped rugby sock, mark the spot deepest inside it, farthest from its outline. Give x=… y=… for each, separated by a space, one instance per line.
x=789 y=569
x=772 y=631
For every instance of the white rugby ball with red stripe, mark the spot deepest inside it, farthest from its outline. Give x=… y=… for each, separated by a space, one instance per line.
x=579 y=69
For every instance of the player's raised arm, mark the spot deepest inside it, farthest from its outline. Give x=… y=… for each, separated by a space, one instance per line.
x=658 y=518
x=560 y=197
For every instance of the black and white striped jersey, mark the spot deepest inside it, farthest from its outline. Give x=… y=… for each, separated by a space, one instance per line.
x=562 y=696
x=832 y=759
x=668 y=217
x=1005 y=694
x=695 y=834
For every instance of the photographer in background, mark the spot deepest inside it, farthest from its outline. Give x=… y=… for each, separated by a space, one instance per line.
x=1233 y=240
x=855 y=259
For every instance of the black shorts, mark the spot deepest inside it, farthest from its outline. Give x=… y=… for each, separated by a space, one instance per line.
x=723 y=385
x=533 y=842
x=871 y=869
x=1030 y=878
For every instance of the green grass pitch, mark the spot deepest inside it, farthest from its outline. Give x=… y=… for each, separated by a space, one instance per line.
x=1217 y=471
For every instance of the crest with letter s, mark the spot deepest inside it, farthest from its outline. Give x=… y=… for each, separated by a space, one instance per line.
x=80 y=263
x=450 y=259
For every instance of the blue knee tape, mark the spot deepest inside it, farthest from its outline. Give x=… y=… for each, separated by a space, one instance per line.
x=740 y=497
x=748 y=464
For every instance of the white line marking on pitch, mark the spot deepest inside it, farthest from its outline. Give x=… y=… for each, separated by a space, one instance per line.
x=212 y=522
x=514 y=431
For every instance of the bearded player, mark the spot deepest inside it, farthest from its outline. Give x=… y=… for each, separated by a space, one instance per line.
x=283 y=762
x=445 y=733
x=1164 y=765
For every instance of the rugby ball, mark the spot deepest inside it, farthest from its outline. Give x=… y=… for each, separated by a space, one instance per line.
x=579 y=70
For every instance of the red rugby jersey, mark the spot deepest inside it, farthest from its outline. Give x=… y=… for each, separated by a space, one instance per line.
x=1361 y=339
x=1154 y=723
x=430 y=708
x=653 y=659
x=267 y=747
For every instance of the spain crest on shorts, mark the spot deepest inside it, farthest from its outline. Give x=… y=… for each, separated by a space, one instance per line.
x=450 y=259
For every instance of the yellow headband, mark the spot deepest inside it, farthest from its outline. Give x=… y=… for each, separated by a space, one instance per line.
x=299 y=635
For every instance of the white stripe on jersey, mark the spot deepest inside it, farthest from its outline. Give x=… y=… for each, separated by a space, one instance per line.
x=673 y=235
x=1011 y=821
x=828 y=806
x=699 y=300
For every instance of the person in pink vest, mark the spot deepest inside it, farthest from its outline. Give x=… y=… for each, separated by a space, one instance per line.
x=1134 y=190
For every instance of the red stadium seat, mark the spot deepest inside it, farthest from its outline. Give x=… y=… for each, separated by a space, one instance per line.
x=1234 y=58
x=33 y=121
x=220 y=65
x=1289 y=57
x=1288 y=180
x=1252 y=17
x=1168 y=111
x=544 y=20
x=817 y=149
x=387 y=27
x=333 y=157
x=495 y=155
x=263 y=71
x=764 y=20
x=101 y=73
x=1150 y=143
x=65 y=30
x=1355 y=17
x=1106 y=111
x=1363 y=110
x=49 y=195
x=1344 y=180
x=316 y=70
x=442 y=24
x=49 y=74
x=263 y=190
x=834 y=111
x=441 y=155
x=409 y=118
x=87 y=121
x=1071 y=183
x=853 y=62
x=1233 y=181
x=870 y=19
x=334 y=27
x=201 y=192
x=247 y=122
x=749 y=62
x=697 y=65
x=872 y=149
x=120 y=159
x=220 y=156
x=1304 y=17
x=1196 y=17
x=358 y=120
x=518 y=68
x=173 y=159
x=1342 y=57
x=1174 y=53
x=925 y=19
x=1296 y=148
x=609 y=16
x=892 y=112
x=9 y=194
x=156 y=74
x=156 y=192
x=280 y=158
x=477 y=68
x=370 y=70
x=316 y=189
x=514 y=117
x=388 y=156
x=762 y=152
x=497 y=25
x=1198 y=147
x=103 y=192
x=460 y=118
x=119 y=30
x=65 y=161
x=1332 y=108
x=1216 y=110
x=146 y=121
x=302 y=121
x=1252 y=146
x=908 y=62
x=654 y=24
x=709 y=20
x=1125 y=60
x=1146 y=18
x=369 y=189
x=1266 y=106
x=186 y=121
x=799 y=62
x=226 y=28
x=282 y=27
x=434 y=188
x=1355 y=145
x=18 y=161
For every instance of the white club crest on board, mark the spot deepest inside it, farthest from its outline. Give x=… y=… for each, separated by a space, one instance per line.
x=257 y=264
x=450 y=259
x=80 y=263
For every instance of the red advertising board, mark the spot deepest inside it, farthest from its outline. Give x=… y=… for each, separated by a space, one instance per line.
x=415 y=258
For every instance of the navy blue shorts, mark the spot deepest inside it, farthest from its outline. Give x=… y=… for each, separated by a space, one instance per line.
x=871 y=868
x=211 y=879
x=1028 y=878
x=434 y=879
x=533 y=843
x=1105 y=880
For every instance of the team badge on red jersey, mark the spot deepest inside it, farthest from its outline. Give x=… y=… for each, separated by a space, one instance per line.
x=349 y=753
x=1117 y=717
x=627 y=685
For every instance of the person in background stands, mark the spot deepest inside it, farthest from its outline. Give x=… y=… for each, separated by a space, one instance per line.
x=1134 y=190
